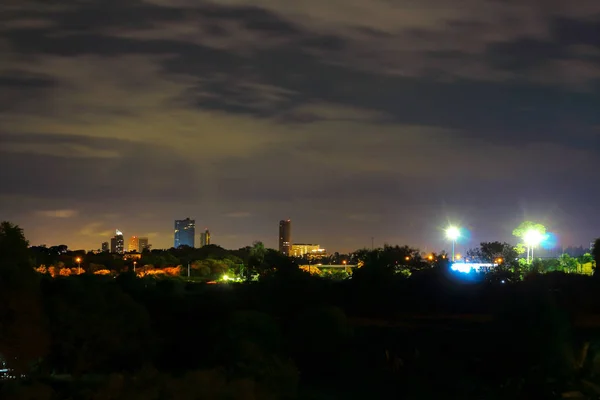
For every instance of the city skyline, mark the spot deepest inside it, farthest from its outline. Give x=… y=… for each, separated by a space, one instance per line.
x=378 y=119
x=464 y=243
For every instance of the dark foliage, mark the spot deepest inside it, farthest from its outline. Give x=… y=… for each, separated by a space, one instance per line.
x=401 y=327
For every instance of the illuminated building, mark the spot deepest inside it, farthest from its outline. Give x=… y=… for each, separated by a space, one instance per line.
x=185 y=232
x=132 y=256
x=205 y=238
x=302 y=249
x=117 y=242
x=143 y=244
x=134 y=244
x=105 y=247
x=285 y=236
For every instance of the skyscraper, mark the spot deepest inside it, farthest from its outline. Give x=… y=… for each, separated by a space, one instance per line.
x=205 y=238
x=117 y=242
x=143 y=244
x=185 y=232
x=285 y=236
x=134 y=244
x=105 y=247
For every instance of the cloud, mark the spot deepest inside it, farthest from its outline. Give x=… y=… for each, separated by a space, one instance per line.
x=58 y=213
x=395 y=37
x=59 y=150
x=238 y=214
x=300 y=109
x=367 y=218
x=96 y=229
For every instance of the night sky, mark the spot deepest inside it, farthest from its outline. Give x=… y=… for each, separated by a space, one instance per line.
x=354 y=118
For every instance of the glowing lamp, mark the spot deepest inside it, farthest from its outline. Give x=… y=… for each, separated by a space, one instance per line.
x=452 y=233
x=533 y=238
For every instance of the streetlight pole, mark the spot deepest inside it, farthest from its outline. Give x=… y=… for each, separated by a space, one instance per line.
x=453 y=233
x=78 y=259
x=134 y=263
x=532 y=238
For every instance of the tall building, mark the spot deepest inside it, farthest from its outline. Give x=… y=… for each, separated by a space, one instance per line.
x=285 y=236
x=134 y=244
x=105 y=247
x=205 y=238
x=185 y=232
x=117 y=243
x=302 y=249
x=143 y=244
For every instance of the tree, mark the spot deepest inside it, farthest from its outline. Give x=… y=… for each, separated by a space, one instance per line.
x=492 y=252
x=257 y=256
x=15 y=263
x=523 y=230
x=527 y=226
x=568 y=263
x=23 y=337
x=596 y=255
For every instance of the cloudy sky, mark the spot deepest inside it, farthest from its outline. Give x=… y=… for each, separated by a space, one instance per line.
x=354 y=118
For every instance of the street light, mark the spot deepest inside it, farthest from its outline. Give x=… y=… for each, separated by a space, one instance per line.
x=453 y=233
x=134 y=263
x=532 y=238
x=78 y=261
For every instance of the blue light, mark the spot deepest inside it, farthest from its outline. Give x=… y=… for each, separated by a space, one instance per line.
x=465 y=236
x=466 y=268
x=550 y=241
x=461 y=267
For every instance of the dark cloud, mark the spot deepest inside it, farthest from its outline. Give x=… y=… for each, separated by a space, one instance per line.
x=377 y=116
x=88 y=170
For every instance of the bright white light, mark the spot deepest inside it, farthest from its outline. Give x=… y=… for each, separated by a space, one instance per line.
x=461 y=267
x=467 y=267
x=452 y=233
x=225 y=278
x=533 y=238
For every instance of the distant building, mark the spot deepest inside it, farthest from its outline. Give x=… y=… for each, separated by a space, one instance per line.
x=105 y=247
x=285 y=236
x=185 y=232
x=133 y=255
x=134 y=244
x=205 y=238
x=143 y=244
x=301 y=250
x=117 y=243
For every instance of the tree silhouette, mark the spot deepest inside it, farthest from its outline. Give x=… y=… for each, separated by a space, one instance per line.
x=596 y=255
x=22 y=327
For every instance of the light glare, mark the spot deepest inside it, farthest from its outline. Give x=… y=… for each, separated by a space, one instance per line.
x=533 y=237
x=452 y=233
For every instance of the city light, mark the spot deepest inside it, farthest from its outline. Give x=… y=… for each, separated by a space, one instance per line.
x=532 y=238
x=453 y=233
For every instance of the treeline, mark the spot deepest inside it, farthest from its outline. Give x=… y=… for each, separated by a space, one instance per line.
x=293 y=335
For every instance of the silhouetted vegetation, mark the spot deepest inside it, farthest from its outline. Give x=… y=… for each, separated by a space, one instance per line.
x=401 y=325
